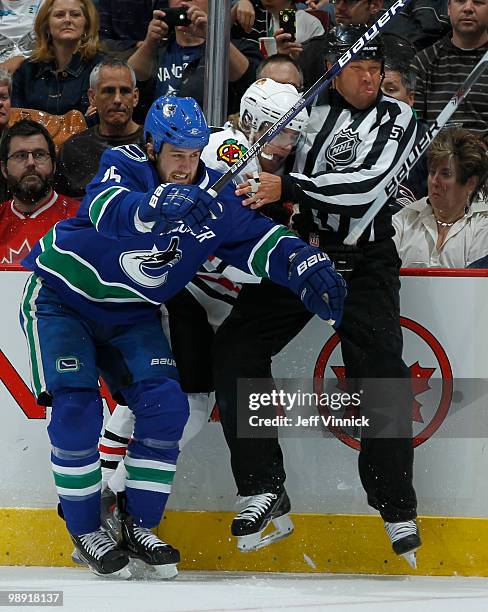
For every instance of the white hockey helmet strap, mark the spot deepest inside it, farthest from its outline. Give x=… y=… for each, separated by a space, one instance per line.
x=266 y=101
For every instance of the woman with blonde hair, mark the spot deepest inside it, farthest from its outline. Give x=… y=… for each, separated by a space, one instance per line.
x=56 y=77
x=448 y=228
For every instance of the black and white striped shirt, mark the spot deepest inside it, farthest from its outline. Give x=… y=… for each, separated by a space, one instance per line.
x=344 y=161
x=442 y=68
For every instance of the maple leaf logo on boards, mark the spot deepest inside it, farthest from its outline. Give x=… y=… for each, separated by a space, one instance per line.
x=428 y=412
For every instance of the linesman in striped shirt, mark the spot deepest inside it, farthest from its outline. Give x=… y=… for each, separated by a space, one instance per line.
x=353 y=146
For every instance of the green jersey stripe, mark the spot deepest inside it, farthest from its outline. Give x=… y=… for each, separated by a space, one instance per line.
x=100 y=203
x=28 y=309
x=258 y=260
x=77 y=481
x=161 y=476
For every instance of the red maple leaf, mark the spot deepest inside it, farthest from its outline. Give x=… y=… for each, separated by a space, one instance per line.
x=420 y=383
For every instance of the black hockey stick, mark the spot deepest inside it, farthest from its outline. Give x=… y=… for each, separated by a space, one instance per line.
x=417 y=151
x=308 y=96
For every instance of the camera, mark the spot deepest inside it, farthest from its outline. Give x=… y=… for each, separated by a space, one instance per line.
x=287 y=22
x=175 y=16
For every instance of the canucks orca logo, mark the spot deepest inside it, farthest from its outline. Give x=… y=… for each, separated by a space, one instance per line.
x=150 y=268
x=342 y=149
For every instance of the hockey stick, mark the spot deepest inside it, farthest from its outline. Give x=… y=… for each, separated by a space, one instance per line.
x=308 y=96
x=417 y=151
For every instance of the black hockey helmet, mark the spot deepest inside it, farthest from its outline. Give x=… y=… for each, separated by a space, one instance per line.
x=341 y=38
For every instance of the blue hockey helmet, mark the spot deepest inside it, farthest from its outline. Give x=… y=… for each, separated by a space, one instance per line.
x=179 y=121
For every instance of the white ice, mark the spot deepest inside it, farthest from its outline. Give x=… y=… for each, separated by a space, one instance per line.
x=221 y=592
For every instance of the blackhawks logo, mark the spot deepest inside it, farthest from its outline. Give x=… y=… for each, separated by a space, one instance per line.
x=230 y=151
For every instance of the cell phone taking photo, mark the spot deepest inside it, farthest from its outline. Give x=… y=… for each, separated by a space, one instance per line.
x=287 y=22
x=175 y=16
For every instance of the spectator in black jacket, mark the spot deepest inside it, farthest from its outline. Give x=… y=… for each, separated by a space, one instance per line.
x=176 y=58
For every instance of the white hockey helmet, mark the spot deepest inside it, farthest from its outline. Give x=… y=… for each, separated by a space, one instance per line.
x=266 y=101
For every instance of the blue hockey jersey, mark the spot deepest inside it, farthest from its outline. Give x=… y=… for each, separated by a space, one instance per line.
x=109 y=266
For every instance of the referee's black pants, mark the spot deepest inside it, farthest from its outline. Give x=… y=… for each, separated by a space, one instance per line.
x=266 y=317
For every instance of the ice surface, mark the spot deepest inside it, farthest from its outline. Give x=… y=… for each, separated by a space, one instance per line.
x=220 y=592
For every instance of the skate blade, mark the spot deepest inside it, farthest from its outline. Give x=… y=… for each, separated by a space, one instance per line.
x=411 y=558
x=121 y=574
x=77 y=559
x=143 y=571
x=283 y=528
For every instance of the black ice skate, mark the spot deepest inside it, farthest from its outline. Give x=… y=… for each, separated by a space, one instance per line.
x=405 y=540
x=109 y=515
x=100 y=553
x=260 y=510
x=142 y=545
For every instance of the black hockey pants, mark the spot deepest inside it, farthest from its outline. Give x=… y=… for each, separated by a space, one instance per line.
x=266 y=317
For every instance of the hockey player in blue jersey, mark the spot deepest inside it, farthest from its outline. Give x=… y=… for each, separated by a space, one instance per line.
x=92 y=308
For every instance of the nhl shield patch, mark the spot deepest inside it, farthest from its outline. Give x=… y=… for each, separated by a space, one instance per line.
x=342 y=150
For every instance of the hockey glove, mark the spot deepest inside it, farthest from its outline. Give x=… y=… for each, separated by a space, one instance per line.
x=173 y=203
x=322 y=290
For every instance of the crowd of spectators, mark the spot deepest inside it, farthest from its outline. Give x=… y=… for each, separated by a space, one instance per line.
x=111 y=58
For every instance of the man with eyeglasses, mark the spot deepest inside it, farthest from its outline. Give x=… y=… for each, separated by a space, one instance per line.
x=27 y=158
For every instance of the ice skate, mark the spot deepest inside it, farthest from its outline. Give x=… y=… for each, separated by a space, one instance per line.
x=149 y=555
x=100 y=553
x=109 y=516
x=260 y=510
x=405 y=540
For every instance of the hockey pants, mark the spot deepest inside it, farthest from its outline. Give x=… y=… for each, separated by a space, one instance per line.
x=266 y=317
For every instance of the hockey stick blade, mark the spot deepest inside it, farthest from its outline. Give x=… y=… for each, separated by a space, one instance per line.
x=308 y=96
x=417 y=152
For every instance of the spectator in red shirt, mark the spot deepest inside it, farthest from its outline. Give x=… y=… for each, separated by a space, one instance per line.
x=28 y=161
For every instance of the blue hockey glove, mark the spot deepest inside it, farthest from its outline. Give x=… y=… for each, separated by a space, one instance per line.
x=322 y=290
x=172 y=203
